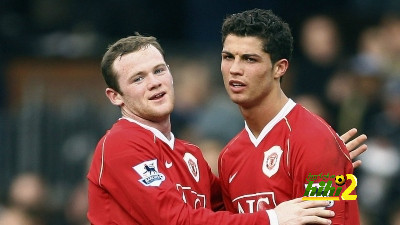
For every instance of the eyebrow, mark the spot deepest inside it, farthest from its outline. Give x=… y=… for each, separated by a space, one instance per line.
x=251 y=55
x=161 y=64
x=142 y=72
x=244 y=55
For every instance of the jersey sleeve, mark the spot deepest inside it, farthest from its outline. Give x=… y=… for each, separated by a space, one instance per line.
x=224 y=183
x=152 y=199
x=216 y=192
x=318 y=156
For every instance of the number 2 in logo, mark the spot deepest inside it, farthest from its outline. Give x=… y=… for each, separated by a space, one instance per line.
x=346 y=194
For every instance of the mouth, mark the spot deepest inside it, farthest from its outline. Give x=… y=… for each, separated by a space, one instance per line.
x=157 y=96
x=235 y=83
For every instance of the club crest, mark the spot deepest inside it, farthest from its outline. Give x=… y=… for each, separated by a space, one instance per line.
x=191 y=163
x=271 y=161
x=149 y=172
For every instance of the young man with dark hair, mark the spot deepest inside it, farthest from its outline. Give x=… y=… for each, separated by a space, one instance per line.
x=282 y=143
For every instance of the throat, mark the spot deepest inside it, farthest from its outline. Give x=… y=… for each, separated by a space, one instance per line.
x=259 y=116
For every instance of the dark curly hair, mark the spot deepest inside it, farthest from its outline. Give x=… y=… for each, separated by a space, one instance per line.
x=275 y=34
x=121 y=47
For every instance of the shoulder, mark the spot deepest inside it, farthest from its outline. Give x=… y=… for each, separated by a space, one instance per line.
x=305 y=124
x=124 y=130
x=187 y=144
x=235 y=147
x=125 y=138
x=239 y=139
x=187 y=147
x=312 y=135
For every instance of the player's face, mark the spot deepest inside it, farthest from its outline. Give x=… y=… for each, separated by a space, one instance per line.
x=247 y=70
x=146 y=85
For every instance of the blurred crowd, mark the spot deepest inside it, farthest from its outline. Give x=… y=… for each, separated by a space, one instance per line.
x=345 y=68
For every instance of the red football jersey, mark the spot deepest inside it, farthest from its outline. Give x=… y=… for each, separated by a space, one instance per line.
x=137 y=176
x=259 y=173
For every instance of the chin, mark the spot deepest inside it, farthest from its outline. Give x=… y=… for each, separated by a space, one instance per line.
x=236 y=99
x=165 y=110
x=241 y=102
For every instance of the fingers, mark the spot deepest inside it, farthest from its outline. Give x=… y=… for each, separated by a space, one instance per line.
x=346 y=136
x=356 y=152
x=321 y=212
x=314 y=220
x=314 y=204
x=296 y=200
x=351 y=145
x=356 y=164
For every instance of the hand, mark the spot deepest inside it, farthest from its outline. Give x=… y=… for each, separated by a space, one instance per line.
x=297 y=212
x=355 y=148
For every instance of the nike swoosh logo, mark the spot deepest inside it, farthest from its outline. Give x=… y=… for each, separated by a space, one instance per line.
x=168 y=164
x=232 y=176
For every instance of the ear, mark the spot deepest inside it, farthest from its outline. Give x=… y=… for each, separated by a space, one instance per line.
x=114 y=97
x=280 y=68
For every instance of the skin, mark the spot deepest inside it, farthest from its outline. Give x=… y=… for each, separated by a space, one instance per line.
x=146 y=85
x=252 y=82
x=355 y=146
x=147 y=96
x=259 y=95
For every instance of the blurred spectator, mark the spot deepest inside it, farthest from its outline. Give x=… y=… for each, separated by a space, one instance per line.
x=193 y=88
x=370 y=57
x=321 y=54
x=220 y=119
x=356 y=98
x=355 y=90
x=15 y=216
x=320 y=45
x=28 y=200
x=387 y=123
x=29 y=192
x=379 y=184
x=211 y=149
x=390 y=26
x=77 y=206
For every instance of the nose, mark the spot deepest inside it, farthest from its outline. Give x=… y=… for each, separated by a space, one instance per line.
x=154 y=82
x=236 y=68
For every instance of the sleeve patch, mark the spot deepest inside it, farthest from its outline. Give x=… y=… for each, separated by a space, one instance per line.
x=148 y=171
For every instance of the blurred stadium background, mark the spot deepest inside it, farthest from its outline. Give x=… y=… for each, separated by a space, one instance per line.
x=346 y=68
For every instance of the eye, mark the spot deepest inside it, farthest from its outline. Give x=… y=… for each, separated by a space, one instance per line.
x=160 y=70
x=227 y=56
x=137 y=79
x=250 y=59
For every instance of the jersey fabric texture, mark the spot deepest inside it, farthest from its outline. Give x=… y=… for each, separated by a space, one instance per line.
x=259 y=173
x=137 y=176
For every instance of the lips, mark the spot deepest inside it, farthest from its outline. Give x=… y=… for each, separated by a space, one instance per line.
x=235 y=83
x=236 y=86
x=157 y=96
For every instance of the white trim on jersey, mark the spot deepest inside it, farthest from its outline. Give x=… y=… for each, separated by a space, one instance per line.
x=336 y=137
x=284 y=111
x=102 y=161
x=156 y=132
x=273 y=218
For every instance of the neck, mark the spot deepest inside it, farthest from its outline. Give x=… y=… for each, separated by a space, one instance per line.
x=258 y=116
x=163 y=125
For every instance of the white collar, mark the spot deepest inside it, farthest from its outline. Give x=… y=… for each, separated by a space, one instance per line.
x=284 y=111
x=156 y=132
